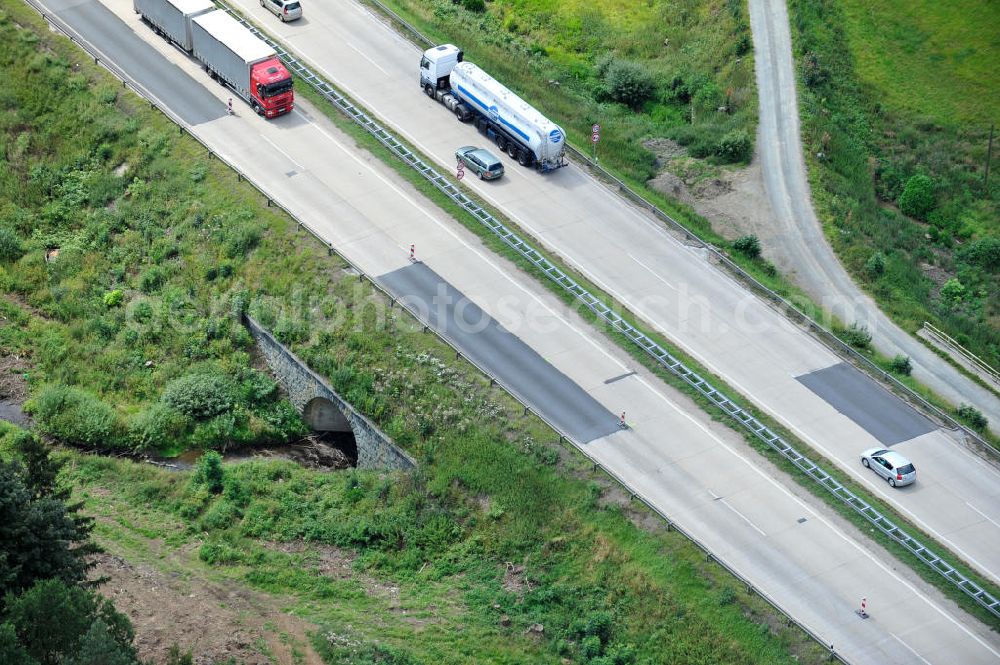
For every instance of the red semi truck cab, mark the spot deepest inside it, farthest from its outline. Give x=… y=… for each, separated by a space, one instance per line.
x=271 y=86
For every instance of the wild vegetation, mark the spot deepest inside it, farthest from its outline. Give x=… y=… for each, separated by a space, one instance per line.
x=125 y=258
x=897 y=105
x=140 y=215
x=639 y=69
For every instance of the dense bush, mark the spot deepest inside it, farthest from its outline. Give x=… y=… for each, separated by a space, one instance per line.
x=901 y=365
x=159 y=427
x=76 y=416
x=875 y=265
x=200 y=395
x=10 y=245
x=972 y=416
x=984 y=253
x=952 y=291
x=627 y=82
x=208 y=472
x=748 y=246
x=858 y=336
x=241 y=240
x=917 y=199
x=735 y=146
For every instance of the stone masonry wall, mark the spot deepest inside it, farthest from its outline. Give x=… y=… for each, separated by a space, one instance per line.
x=375 y=449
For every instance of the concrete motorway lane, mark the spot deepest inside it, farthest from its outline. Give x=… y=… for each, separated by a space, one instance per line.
x=803 y=244
x=699 y=472
x=672 y=286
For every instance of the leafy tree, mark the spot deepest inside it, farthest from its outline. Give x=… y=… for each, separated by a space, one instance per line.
x=918 y=197
x=748 y=246
x=52 y=620
x=11 y=651
x=98 y=647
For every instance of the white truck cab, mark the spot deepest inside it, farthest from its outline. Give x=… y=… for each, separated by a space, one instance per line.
x=436 y=66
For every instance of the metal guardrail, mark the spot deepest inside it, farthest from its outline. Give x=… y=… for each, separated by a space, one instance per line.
x=563 y=436
x=826 y=335
x=663 y=357
x=977 y=362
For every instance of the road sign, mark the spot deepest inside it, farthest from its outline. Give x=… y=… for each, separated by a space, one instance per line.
x=596 y=129
x=595 y=137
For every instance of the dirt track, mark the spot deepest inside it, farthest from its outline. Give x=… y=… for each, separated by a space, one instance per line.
x=214 y=621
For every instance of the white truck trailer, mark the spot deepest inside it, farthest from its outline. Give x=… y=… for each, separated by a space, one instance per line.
x=473 y=95
x=172 y=18
x=243 y=62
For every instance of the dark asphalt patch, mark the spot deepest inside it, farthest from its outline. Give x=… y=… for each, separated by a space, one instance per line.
x=186 y=97
x=480 y=338
x=857 y=396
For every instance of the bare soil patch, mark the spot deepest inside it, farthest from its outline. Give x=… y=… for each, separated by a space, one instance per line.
x=214 y=621
x=733 y=200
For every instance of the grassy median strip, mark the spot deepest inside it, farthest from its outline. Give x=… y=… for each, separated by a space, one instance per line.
x=158 y=246
x=493 y=242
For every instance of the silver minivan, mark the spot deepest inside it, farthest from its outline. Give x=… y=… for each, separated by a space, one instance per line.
x=896 y=469
x=286 y=10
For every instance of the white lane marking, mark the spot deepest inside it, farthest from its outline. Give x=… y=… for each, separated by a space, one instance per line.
x=446 y=228
x=910 y=649
x=756 y=469
x=363 y=55
x=653 y=272
x=982 y=513
x=776 y=412
x=287 y=156
x=741 y=515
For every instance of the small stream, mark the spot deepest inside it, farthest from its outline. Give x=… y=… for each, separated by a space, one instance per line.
x=324 y=451
x=11 y=412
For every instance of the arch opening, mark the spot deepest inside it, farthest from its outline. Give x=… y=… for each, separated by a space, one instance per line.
x=331 y=426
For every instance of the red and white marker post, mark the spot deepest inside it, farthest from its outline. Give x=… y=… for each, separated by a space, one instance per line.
x=621 y=421
x=413 y=253
x=230 y=106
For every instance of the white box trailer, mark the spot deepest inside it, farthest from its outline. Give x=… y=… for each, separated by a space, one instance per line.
x=172 y=18
x=228 y=50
